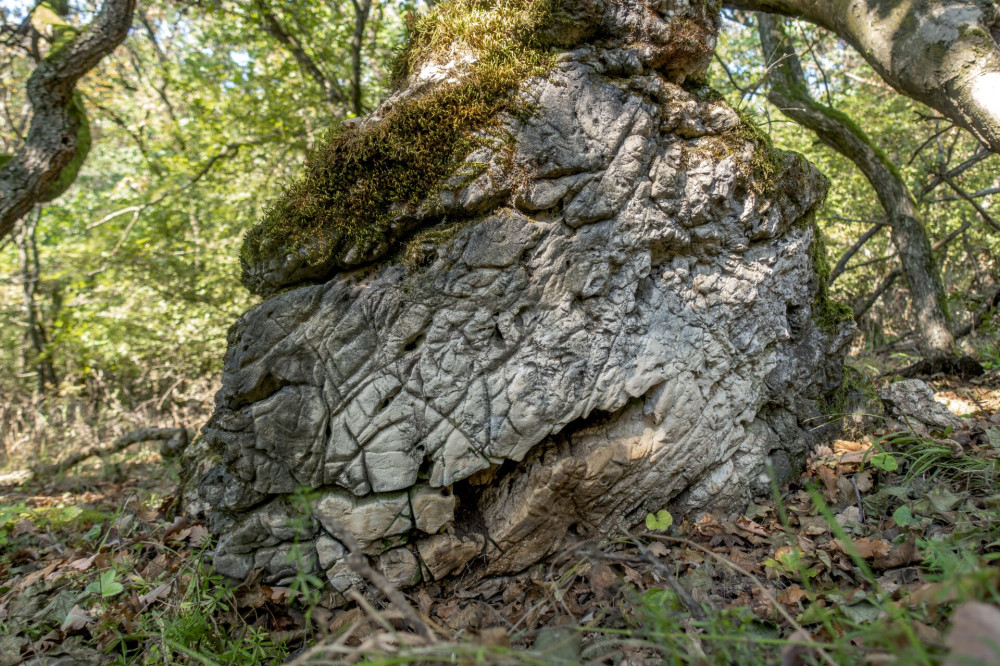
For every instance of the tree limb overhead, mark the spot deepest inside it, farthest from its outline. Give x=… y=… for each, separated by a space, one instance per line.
x=942 y=54
x=52 y=138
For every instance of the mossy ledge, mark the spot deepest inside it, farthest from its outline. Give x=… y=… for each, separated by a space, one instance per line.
x=828 y=314
x=363 y=183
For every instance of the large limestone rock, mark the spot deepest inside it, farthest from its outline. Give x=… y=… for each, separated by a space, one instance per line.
x=618 y=311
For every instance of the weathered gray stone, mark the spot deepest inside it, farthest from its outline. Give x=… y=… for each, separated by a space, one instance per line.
x=912 y=403
x=433 y=508
x=400 y=566
x=618 y=316
x=444 y=554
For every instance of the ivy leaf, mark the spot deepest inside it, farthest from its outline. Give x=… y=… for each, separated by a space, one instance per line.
x=885 y=462
x=661 y=521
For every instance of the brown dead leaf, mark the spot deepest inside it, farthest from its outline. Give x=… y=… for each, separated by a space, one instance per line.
x=899 y=556
x=83 y=563
x=158 y=566
x=795 y=654
x=197 y=535
x=36 y=576
x=658 y=549
x=146 y=600
x=864 y=481
x=174 y=527
x=792 y=595
x=975 y=635
x=631 y=575
x=76 y=620
x=494 y=636
x=24 y=526
x=867 y=547
x=829 y=478
x=852 y=458
x=813 y=525
x=179 y=535
x=604 y=582
x=707 y=525
x=750 y=526
x=844 y=446
x=424 y=602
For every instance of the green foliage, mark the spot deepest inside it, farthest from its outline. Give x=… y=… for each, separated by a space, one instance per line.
x=660 y=521
x=361 y=178
x=828 y=313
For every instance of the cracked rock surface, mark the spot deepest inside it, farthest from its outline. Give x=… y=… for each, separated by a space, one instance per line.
x=616 y=315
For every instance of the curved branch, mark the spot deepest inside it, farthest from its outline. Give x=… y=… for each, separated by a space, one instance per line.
x=52 y=138
x=791 y=95
x=945 y=55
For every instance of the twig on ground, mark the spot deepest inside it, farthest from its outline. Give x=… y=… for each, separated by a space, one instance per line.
x=176 y=439
x=756 y=581
x=358 y=563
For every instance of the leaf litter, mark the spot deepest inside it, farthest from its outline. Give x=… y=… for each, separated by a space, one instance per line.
x=884 y=550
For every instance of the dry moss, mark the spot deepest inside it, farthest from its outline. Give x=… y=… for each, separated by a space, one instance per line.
x=361 y=179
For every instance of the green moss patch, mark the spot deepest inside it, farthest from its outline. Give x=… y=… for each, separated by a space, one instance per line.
x=855 y=393
x=827 y=313
x=361 y=179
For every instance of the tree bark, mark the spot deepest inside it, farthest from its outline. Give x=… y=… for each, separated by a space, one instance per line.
x=52 y=138
x=788 y=91
x=362 y=9
x=942 y=54
x=35 y=335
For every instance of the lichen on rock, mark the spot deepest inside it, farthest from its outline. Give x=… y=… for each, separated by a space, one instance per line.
x=611 y=308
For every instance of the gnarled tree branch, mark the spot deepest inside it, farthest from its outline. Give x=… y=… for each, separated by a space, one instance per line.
x=56 y=122
x=790 y=94
x=942 y=54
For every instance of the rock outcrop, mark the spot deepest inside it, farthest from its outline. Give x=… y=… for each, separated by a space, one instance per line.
x=610 y=306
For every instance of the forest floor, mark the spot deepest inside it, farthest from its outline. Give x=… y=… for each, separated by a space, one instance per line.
x=885 y=550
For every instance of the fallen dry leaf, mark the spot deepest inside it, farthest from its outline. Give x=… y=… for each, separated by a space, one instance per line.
x=197 y=535
x=899 y=556
x=797 y=655
x=83 y=563
x=792 y=595
x=867 y=547
x=146 y=600
x=750 y=526
x=975 y=635
x=829 y=478
x=76 y=620
x=846 y=445
x=659 y=549
x=24 y=526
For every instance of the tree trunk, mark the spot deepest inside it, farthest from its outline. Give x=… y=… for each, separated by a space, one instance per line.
x=362 y=9
x=35 y=337
x=790 y=94
x=942 y=54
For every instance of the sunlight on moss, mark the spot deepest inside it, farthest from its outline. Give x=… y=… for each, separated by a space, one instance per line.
x=362 y=178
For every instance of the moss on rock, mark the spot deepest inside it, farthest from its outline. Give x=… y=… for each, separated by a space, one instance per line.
x=361 y=179
x=856 y=394
x=828 y=314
